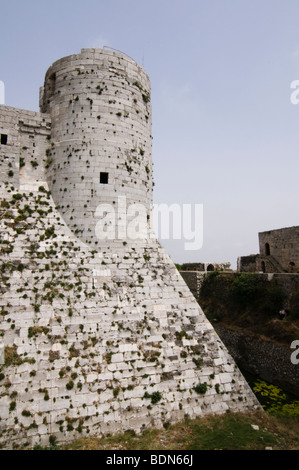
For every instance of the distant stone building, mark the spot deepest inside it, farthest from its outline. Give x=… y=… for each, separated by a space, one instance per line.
x=205 y=267
x=194 y=274
x=279 y=253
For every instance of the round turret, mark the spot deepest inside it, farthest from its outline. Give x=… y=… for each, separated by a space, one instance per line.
x=99 y=164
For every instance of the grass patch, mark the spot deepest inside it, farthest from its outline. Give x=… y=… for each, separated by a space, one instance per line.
x=231 y=431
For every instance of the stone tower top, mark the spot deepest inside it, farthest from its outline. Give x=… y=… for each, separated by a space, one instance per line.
x=100 y=152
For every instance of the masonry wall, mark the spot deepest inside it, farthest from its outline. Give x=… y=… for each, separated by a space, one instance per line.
x=100 y=337
x=283 y=246
x=265 y=359
x=248 y=263
x=194 y=280
x=23 y=158
x=99 y=342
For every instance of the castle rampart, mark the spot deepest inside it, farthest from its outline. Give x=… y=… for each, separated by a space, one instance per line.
x=283 y=246
x=279 y=253
x=24 y=141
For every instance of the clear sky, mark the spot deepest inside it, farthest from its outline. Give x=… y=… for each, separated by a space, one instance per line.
x=225 y=133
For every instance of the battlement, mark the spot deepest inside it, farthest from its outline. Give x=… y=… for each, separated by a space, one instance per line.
x=23 y=150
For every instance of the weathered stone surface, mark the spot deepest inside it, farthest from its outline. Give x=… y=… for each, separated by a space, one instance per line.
x=279 y=253
x=99 y=335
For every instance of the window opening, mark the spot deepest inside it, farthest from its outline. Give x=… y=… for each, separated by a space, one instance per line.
x=267 y=249
x=103 y=178
x=51 y=84
x=3 y=139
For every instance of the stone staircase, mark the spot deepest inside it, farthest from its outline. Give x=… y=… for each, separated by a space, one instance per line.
x=271 y=264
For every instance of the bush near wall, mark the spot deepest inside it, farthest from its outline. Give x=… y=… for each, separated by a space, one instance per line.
x=294 y=305
x=243 y=295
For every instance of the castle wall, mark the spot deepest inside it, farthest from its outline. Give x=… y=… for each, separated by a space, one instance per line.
x=23 y=156
x=248 y=263
x=97 y=341
x=283 y=246
x=194 y=280
x=97 y=337
x=265 y=359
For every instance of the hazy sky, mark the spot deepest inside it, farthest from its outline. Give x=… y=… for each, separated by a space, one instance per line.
x=225 y=132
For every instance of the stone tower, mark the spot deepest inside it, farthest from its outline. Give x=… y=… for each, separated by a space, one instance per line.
x=97 y=334
x=101 y=140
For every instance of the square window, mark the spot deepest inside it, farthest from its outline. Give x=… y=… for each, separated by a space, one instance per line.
x=3 y=139
x=103 y=178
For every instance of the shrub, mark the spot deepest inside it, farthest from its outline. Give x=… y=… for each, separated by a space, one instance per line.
x=273 y=299
x=294 y=304
x=201 y=389
x=226 y=295
x=155 y=397
x=12 y=406
x=17 y=196
x=12 y=358
x=215 y=293
x=252 y=292
x=146 y=97
x=245 y=289
x=53 y=441
x=49 y=232
x=70 y=385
